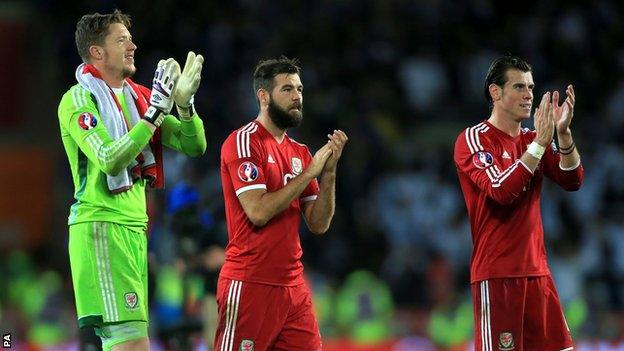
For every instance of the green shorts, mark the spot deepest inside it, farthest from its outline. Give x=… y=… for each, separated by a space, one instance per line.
x=109 y=273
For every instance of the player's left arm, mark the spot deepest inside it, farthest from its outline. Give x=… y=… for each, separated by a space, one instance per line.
x=565 y=166
x=186 y=134
x=318 y=213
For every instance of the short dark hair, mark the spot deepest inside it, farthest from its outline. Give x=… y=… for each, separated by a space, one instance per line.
x=92 y=29
x=266 y=70
x=497 y=72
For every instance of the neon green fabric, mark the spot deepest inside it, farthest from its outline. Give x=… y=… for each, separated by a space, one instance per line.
x=107 y=242
x=90 y=164
x=92 y=154
x=109 y=273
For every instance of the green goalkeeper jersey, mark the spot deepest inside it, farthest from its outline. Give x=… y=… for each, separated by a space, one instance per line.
x=93 y=154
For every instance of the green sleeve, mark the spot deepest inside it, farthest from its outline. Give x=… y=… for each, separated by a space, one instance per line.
x=187 y=137
x=112 y=156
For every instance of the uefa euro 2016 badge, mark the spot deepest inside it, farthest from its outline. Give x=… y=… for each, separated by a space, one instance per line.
x=297 y=166
x=246 y=345
x=482 y=159
x=87 y=121
x=247 y=172
x=506 y=341
x=131 y=300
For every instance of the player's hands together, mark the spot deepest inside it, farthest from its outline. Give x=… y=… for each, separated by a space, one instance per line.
x=563 y=113
x=188 y=84
x=544 y=121
x=336 y=143
x=318 y=161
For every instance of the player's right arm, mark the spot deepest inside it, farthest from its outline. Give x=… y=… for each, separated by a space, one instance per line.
x=80 y=118
x=474 y=156
x=243 y=160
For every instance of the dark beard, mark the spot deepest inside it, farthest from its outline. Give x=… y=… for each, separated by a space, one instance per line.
x=282 y=118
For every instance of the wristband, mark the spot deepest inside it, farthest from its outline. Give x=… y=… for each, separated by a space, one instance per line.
x=186 y=113
x=568 y=150
x=153 y=115
x=536 y=150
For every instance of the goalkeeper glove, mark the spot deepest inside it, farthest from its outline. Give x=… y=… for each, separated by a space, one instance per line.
x=187 y=85
x=163 y=85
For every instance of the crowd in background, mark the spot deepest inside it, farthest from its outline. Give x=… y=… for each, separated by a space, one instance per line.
x=402 y=79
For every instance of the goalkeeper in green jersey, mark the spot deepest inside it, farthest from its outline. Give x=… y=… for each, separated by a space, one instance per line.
x=113 y=131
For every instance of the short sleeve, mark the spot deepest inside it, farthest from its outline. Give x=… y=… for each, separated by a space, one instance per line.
x=242 y=154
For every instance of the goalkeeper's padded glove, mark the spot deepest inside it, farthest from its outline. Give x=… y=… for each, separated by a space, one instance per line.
x=163 y=85
x=154 y=116
x=188 y=84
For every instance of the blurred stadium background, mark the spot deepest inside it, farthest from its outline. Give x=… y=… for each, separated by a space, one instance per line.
x=402 y=78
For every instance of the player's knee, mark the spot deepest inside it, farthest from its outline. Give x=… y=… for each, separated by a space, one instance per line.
x=132 y=345
x=124 y=336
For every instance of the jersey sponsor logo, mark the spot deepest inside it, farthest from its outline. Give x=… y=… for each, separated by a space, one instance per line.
x=297 y=165
x=247 y=172
x=87 y=121
x=482 y=159
x=506 y=341
x=506 y=155
x=287 y=177
x=131 y=299
x=246 y=345
x=271 y=160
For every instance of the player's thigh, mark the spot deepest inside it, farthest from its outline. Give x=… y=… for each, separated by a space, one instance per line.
x=545 y=325
x=300 y=331
x=498 y=313
x=126 y=252
x=109 y=273
x=89 y=290
x=250 y=315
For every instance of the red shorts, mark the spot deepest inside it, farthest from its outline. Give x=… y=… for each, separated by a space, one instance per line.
x=261 y=317
x=519 y=314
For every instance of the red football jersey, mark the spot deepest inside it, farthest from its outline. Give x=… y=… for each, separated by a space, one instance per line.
x=251 y=158
x=503 y=200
